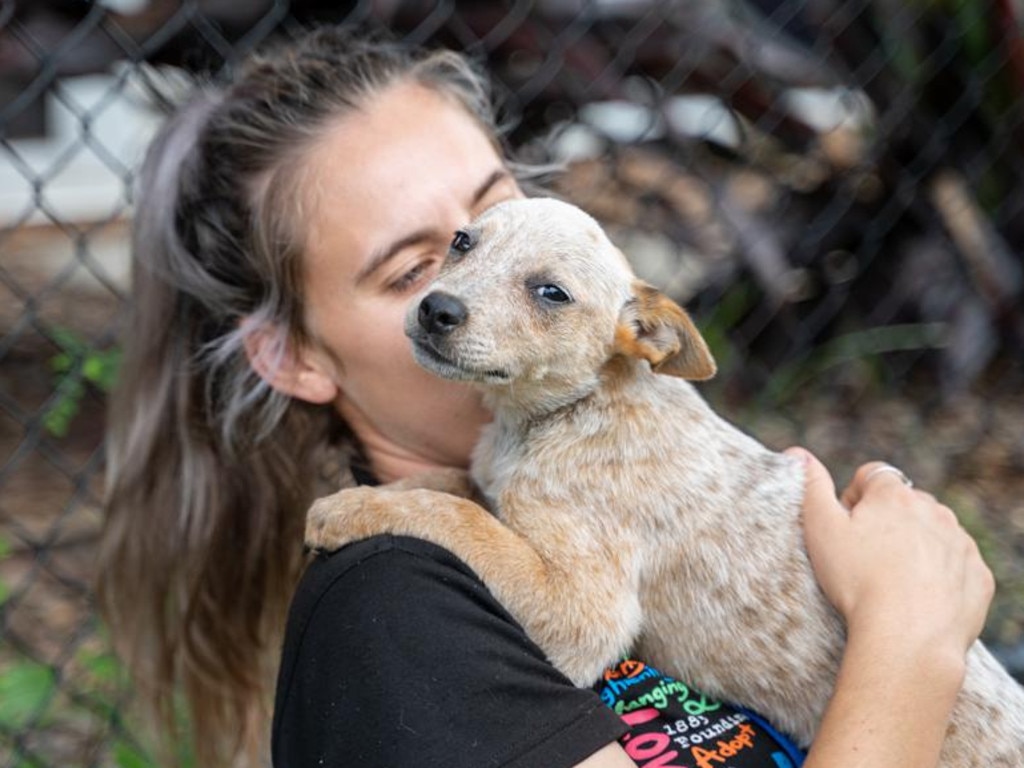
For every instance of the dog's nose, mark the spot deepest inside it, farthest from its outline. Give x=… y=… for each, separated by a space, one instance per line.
x=441 y=313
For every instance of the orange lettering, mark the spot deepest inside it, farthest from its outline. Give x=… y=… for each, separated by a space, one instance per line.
x=632 y=667
x=742 y=740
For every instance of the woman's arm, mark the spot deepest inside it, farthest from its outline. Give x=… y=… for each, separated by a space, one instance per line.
x=914 y=592
x=609 y=756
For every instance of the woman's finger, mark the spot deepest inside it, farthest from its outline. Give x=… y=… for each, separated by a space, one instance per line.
x=874 y=473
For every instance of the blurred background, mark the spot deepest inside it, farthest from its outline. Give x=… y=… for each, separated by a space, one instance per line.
x=835 y=188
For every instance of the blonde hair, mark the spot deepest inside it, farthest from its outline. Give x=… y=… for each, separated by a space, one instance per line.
x=210 y=470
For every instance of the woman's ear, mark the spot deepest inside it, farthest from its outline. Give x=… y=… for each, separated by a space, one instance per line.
x=304 y=374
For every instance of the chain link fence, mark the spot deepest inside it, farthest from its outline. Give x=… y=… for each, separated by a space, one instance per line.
x=835 y=188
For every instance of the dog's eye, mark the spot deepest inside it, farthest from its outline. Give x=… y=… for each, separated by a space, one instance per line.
x=462 y=242
x=552 y=293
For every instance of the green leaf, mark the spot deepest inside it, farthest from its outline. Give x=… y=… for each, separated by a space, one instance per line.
x=93 y=366
x=75 y=363
x=863 y=345
x=61 y=363
x=101 y=665
x=58 y=419
x=111 y=366
x=100 y=367
x=728 y=312
x=972 y=20
x=128 y=756
x=68 y=340
x=24 y=691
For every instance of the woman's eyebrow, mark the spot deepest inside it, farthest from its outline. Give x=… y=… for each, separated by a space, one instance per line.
x=498 y=175
x=384 y=255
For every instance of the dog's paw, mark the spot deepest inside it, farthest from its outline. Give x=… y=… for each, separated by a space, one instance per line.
x=358 y=513
x=343 y=517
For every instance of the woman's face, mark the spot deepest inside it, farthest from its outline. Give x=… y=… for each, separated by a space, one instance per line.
x=390 y=185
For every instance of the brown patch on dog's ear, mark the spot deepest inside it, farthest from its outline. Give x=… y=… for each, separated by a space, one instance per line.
x=652 y=327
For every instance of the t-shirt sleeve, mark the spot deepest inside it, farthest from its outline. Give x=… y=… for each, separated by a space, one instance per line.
x=396 y=655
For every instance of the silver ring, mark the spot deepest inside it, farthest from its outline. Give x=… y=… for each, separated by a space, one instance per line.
x=895 y=470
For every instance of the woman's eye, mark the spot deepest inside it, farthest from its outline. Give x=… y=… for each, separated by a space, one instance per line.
x=553 y=294
x=462 y=242
x=411 y=278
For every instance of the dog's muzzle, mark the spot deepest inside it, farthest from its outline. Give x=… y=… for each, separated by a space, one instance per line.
x=441 y=313
x=430 y=328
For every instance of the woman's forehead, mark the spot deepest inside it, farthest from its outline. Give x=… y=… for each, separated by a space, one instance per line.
x=402 y=162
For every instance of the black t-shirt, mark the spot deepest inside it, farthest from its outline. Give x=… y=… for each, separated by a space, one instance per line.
x=396 y=655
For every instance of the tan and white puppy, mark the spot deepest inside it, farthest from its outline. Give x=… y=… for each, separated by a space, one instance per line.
x=628 y=515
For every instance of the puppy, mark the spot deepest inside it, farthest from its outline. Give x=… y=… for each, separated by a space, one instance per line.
x=628 y=515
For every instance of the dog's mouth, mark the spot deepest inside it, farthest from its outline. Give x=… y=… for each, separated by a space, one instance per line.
x=436 y=362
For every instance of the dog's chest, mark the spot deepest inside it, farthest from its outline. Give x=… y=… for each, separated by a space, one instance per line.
x=652 y=458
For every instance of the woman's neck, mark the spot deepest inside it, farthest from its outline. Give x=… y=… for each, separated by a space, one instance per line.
x=389 y=458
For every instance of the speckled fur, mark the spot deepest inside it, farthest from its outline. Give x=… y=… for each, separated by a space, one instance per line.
x=628 y=515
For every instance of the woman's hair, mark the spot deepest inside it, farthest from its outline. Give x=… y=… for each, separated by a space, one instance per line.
x=210 y=471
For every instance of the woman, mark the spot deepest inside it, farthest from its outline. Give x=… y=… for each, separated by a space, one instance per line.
x=282 y=227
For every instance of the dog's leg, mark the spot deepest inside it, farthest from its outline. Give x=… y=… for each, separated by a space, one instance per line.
x=582 y=618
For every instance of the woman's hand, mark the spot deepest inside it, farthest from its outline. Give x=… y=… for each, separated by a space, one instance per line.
x=892 y=559
x=914 y=592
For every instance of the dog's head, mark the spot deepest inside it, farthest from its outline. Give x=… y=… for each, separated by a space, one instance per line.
x=534 y=300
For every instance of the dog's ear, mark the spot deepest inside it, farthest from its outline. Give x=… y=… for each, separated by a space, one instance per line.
x=653 y=327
